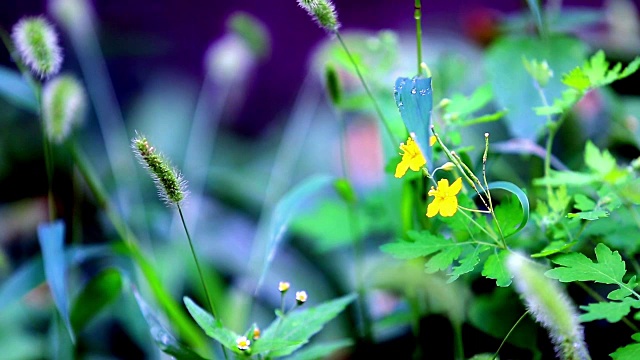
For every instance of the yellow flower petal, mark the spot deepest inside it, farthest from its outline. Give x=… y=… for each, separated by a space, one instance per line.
x=401 y=169
x=432 y=140
x=455 y=187
x=434 y=207
x=449 y=206
x=443 y=186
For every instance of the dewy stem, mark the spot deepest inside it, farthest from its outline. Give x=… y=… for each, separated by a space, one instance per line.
x=417 y=14
x=204 y=285
x=366 y=89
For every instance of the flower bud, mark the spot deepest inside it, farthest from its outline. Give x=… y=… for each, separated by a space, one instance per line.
x=37 y=44
x=63 y=106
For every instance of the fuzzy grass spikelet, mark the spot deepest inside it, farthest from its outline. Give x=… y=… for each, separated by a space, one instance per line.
x=171 y=186
x=323 y=12
x=550 y=307
x=37 y=44
x=63 y=106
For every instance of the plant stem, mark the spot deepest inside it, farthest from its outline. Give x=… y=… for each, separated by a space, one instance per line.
x=417 y=14
x=204 y=285
x=366 y=88
x=174 y=312
x=509 y=333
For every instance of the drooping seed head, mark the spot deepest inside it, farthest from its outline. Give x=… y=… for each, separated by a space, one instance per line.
x=323 y=12
x=550 y=307
x=37 y=44
x=171 y=186
x=63 y=106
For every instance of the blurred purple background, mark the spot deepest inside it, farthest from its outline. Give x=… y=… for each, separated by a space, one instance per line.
x=139 y=38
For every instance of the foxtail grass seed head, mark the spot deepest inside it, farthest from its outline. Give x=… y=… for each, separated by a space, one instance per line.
x=37 y=44
x=301 y=297
x=171 y=186
x=323 y=12
x=550 y=307
x=63 y=106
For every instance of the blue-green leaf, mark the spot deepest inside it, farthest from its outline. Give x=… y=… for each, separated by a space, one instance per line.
x=320 y=350
x=31 y=274
x=51 y=238
x=284 y=211
x=161 y=336
x=414 y=98
x=15 y=90
x=513 y=87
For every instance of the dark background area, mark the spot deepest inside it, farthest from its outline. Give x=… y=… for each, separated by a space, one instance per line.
x=138 y=38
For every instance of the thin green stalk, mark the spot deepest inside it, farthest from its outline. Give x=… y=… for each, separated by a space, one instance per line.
x=509 y=333
x=204 y=285
x=367 y=90
x=458 y=349
x=500 y=245
x=174 y=312
x=417 y=14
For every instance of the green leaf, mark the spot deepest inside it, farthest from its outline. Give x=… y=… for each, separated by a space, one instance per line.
x=283 y=213
x=522 y=198
x=589 y=215
x=16 y=90
x=51 y=238
x=600 y=162
x=211 y=326
x=423 y=244
x=584 y=203
x=629 y=352
x=300 y=325
x=612 y=311
x=443 y=259
x=576 y=79
x=320 y=350
x=609 y=268
x=506 y=74
x=99 y=293
x=495 y=268
x=554 y=247
x=465 y=265
x=599 y=73
x=623 y=292
x=414 y=98
x=161 y=336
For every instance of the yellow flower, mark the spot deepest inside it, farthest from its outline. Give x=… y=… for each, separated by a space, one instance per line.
x=411 y=158
x=445 y=202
